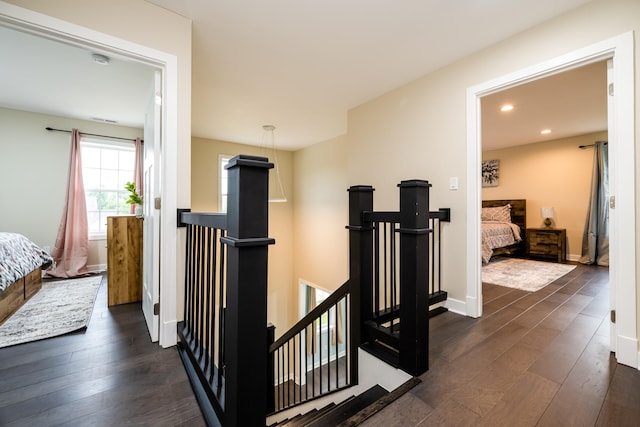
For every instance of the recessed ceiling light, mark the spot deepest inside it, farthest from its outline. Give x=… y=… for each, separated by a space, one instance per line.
x=506 y=107
x=545 y=131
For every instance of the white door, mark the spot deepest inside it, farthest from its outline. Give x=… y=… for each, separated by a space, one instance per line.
x=613 y=331
x=151 y=240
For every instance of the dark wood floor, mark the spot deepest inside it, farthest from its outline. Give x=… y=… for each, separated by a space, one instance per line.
x=110 y=375
x=533 y=359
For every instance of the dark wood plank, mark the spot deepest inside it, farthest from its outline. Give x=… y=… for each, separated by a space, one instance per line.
x=540 y=358
x=533 y=358
x=487 y=389
x=523 y=403
x=110 y=374
x=580 y=397
x=621 y=406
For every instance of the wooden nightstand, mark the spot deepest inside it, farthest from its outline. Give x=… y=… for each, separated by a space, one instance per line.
x=547 y=243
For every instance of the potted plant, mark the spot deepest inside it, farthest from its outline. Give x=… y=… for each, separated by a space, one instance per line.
x=134 y=198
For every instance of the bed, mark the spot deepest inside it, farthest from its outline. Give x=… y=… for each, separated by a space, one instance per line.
x=21 y=266
x=504 y=224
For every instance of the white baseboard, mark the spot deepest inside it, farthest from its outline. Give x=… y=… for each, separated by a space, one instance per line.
x=97 y=268
x=456 y=306
x=169 y=334
x=627 y=351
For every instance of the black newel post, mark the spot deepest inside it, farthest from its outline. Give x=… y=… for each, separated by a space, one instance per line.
x=414 y=276
x=271 y=378
x=246 y=313
x=360 y=267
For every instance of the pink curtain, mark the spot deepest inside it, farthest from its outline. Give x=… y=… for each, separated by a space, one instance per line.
x=138 y=179
x=71 y=249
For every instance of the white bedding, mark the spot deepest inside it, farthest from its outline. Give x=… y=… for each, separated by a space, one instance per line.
x=498 y=234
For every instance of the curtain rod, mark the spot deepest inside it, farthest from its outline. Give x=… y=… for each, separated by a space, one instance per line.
x=92 y=134
x=591 y=145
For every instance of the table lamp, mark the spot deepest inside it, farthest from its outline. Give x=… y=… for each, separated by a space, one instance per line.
x=547 y=214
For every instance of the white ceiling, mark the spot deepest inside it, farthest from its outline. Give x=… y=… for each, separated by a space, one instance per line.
x=297 y=65
x=49 y=77
x=570 y=103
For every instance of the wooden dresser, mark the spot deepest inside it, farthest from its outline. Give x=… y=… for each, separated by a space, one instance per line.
x=547 y=243
x=124 y=259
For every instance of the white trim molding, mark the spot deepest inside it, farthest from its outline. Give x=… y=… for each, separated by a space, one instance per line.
x=457 y=306
x=622 y=270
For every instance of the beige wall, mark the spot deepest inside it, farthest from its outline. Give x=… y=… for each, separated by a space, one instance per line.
x=321 y=212
x=33 y=168
x=419 y=130
x=308 y=229
x=204 y=198
x=554 y=173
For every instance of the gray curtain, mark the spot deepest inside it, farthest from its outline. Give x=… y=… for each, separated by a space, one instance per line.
x=595 y=241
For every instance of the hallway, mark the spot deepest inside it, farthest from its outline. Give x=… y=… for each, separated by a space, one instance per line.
x=110 y=375
x=533 y=359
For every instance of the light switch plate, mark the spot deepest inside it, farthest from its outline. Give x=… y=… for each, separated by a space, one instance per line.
x=453 y=183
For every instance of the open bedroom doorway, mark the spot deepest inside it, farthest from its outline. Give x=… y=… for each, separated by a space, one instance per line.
x=531 y=134
x=620 y=135
x=90 y=40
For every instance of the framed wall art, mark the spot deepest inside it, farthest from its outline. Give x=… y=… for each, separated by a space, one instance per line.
x=490 y=173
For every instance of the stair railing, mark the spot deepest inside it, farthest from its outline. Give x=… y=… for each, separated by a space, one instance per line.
x=396 y=267
x=315 y=357
x=229 y=352
x=224 y=333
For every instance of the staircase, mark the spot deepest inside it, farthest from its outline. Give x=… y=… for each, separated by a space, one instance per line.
x=329 y=355
x=335 y=415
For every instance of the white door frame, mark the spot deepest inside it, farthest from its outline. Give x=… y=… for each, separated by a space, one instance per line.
x=622 y=269
x=66 y=32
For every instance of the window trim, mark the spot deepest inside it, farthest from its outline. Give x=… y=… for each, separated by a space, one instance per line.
x=103 y=142
x=222 y=158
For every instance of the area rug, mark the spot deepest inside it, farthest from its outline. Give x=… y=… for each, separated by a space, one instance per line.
x=60 y=307
x=523 y=274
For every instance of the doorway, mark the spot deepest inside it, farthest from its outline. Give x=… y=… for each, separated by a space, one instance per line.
x=621 y=124
x=541 y=136
x=42 y=25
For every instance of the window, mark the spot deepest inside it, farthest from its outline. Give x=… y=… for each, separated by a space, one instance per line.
x=314 y=296
x=222 y=201
x=325 y=321
x=106 y=168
